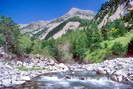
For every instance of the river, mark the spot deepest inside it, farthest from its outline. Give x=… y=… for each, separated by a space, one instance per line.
x=74 y=79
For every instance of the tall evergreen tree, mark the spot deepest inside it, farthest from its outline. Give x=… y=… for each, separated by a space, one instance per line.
x=11 y=33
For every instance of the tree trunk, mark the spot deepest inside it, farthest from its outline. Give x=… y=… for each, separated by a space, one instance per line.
x=8 y=41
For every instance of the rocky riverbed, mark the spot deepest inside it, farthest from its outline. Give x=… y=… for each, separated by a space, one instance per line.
x=14 y=73
x=119 y=69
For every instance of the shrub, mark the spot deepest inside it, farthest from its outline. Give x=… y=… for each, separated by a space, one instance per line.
x=25 y=43
x=97 y=55
x=64 y=53
x=114 y=29
x=110 y=48
x=37 y=47
x=46 y=48
x=118 y=49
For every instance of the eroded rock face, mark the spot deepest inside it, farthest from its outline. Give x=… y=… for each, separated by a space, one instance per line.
x=113 y=10
x=120 y=11
x=33 y=28
x=67 y=28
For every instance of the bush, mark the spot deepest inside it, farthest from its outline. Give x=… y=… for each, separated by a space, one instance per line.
x=46 y=48
x=97 y=55
x=110 y=48
x=118 y=49
x=25 y=44
x=64 y=53
x=114 y=29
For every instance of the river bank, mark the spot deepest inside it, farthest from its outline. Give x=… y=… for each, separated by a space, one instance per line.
x=16 y=72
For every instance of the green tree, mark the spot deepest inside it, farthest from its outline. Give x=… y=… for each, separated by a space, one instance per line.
x=115 y=29
x=1 y=39
x=11 y=32
x=94 y=35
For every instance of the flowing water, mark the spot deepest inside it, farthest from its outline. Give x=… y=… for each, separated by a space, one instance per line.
x=80 y=79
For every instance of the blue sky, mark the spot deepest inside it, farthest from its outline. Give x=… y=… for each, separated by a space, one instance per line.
x=26 y=11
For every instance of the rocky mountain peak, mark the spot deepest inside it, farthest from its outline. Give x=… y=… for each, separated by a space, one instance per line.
x=75 y=10
x=81 y=13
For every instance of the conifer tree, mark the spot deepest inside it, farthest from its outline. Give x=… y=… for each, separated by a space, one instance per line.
x=11 y=33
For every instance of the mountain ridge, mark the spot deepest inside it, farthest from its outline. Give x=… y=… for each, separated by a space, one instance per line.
x=44 y=27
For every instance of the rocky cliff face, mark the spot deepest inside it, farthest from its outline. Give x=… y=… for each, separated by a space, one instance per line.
x=112 y=10
x=42 y=29
x=68 y=27
x=33 y=28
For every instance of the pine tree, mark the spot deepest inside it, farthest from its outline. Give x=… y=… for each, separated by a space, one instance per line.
x=11 y=33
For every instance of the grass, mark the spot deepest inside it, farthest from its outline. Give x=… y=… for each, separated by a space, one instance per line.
x=23 y=68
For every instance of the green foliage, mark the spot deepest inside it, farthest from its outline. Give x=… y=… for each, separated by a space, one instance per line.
x=45 y=48
x=25 y=43
x=23 y=68
x=80 y=44
x=37 y=48
x=89 y=44
x=114 y=29
x=1 y=39
x=10 y=32
x=97 y=55
x=94 y=35
x=82 y=40
x=118 y=49
x=77 y=40
x=110 y=48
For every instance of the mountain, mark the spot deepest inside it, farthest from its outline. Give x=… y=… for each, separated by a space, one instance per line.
x=33 y=27
x=59 y=26
x=114 y=9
